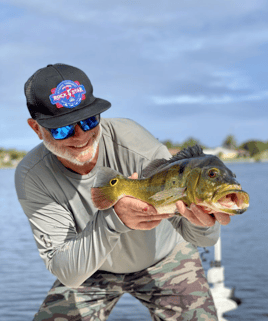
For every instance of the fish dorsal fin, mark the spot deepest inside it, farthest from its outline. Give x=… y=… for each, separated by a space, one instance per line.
x=188 y=152
x=154 y=167
x=158 y=164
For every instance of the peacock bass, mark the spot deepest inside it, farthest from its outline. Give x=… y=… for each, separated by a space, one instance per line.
x=190 y=176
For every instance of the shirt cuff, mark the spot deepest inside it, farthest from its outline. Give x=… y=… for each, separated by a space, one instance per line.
x=114 y=222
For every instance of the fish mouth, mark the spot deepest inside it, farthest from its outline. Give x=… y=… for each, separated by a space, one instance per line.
x=231 y=200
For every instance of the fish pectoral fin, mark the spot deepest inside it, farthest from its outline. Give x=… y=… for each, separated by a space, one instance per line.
x=174 y=193
x=171 y=200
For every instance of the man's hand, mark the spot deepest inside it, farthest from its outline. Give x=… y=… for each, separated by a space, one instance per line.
x=137 y=214
x=196 y=216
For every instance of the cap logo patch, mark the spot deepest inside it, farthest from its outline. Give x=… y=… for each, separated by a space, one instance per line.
x=67 y=94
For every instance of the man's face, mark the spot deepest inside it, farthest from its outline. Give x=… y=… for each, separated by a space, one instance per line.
x=78 y=149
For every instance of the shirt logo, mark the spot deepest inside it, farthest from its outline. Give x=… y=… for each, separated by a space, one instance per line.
x=67 y=94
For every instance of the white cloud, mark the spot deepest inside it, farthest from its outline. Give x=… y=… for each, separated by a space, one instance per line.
x=233 y=80
x=143 y=56
x=148 y=12
x=208 y=99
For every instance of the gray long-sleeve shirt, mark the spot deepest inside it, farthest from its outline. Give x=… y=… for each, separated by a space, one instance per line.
x=74 y=238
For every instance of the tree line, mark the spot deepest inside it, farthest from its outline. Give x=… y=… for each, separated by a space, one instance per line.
x=252 y=147
x=10 y=157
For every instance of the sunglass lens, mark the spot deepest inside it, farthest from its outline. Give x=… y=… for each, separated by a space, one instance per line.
x=89 y=123
x=62 y=132
x=68 y=131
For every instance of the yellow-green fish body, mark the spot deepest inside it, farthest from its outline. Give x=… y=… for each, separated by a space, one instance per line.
x=190 y=176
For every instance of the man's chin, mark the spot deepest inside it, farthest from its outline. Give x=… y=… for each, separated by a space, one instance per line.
x=80 y=159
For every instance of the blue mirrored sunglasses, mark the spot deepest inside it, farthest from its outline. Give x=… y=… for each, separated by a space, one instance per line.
x=69 y=130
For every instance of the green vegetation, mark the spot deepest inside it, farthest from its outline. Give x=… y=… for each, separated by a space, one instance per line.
x=230 y=142
x=191 y=141
x=10 y=157
x=254 y=147
x=253 y=150
x=260 y=156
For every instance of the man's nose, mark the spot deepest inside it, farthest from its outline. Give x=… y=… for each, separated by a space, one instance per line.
x=78 y=131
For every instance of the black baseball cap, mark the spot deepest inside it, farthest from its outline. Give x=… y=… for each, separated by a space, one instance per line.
x=60 y=95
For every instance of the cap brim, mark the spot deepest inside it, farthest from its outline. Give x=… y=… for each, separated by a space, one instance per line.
x=97 y=107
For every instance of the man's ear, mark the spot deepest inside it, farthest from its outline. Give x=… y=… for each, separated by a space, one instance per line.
x=35 y=126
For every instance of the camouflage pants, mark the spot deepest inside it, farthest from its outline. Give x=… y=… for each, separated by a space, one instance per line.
x=172 y=289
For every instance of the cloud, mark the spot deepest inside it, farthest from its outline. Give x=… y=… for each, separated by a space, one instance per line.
x=156 y=61
x=205 y=99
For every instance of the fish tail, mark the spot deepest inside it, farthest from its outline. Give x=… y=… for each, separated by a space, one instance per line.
x=103 y=194
x=100 y=198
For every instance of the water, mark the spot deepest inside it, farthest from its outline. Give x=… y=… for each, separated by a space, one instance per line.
x=25 y=281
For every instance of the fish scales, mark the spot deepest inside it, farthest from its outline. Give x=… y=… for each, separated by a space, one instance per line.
x=190 y=176
x=168 y=189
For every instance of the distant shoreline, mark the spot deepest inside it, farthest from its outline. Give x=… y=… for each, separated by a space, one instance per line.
x=10 y=166
x=234 y=161
x=250 y=160
x=10 y=158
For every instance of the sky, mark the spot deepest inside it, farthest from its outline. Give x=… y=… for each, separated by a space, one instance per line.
x=181 y=69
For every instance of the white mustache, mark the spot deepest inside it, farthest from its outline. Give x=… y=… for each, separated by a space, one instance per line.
x=61 y=152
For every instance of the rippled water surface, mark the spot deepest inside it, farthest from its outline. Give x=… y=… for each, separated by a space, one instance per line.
x=25 y=281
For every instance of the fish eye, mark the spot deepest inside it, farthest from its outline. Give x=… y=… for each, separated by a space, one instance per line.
x=113 y=181
x=212 y=173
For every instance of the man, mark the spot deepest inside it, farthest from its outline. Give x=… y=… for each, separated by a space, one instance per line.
x=99 y=255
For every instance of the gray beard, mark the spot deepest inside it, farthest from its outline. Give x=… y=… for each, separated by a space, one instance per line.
x=65 y=154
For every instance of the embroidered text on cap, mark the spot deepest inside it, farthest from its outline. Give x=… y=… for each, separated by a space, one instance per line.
x=67 y=94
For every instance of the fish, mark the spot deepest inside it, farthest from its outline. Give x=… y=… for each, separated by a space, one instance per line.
x=189 y=176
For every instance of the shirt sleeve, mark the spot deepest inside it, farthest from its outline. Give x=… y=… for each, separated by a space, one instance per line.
x=197 y=235
x=72 y=257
